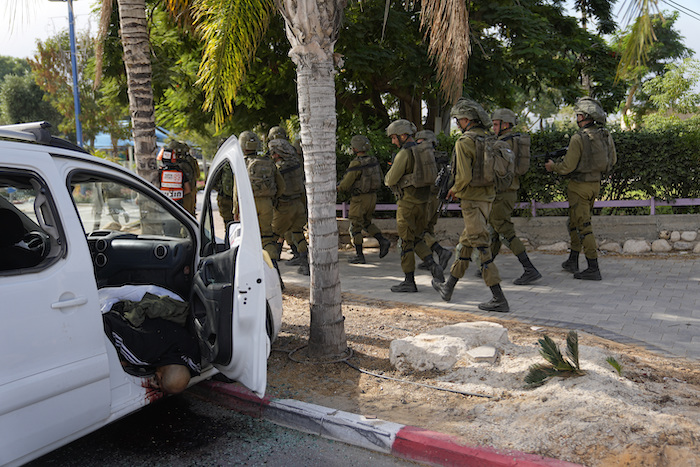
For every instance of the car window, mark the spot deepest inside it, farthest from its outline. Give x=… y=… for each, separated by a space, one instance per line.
x=30 y=238
x=110 y=205
x=219 y=211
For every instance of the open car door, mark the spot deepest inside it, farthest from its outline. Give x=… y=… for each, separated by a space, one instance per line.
x=228 y=296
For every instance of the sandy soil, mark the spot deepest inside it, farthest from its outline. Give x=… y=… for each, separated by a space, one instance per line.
x=649 y=416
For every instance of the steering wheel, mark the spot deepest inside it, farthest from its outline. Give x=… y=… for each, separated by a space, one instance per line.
x=37 y=242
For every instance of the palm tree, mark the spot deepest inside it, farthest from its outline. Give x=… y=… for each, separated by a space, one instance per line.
x=137 y=61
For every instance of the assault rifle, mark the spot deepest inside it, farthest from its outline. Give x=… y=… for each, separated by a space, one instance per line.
x=442 y=182
x=551 y=154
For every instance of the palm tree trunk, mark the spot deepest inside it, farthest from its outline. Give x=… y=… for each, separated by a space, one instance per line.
x=137 y=59
x=312 y=30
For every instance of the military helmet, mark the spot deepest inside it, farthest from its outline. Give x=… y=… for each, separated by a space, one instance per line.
x=400 y=127
x=427 y=135
x=360 y=143
x=505 y=115
x=276 y=132
x=468 y=108
x=590 y=108
x=282 y=147
x=249 y=141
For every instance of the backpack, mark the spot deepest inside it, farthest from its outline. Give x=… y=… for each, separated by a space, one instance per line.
x=261 y=171
x=370 y=179
x=521 y=149
x=595 y=158
x=424 y=167
x=293 y=174
x=494 y=164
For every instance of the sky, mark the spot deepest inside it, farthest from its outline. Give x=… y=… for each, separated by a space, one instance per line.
x=22 y=22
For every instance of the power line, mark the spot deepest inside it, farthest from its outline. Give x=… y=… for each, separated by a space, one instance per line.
x=693 y=14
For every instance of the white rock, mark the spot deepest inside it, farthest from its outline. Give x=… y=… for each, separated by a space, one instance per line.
x=689 y=236
x=661 y=246
x=441 y=348
x=697 y=248
x=484 y=353
x=424 y=353
x=682 y=246
x=664 y=235
x=559 y=246
x=675 y=236
x=636 y=247
x=613 y=247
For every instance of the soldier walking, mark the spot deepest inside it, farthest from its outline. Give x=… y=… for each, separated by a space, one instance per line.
x=476 y=194
x=410 y=177
x=591 y=154
x=362 y=179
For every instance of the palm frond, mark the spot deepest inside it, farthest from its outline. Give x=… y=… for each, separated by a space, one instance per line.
x=446 y=24
x=572 y=348
x=642 y=36
x=615 y=364
x=102 y=31
x=538 y=374
x=231 y=32
x=550 y=351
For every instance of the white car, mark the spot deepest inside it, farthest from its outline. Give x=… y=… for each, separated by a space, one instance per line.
x=77 y=231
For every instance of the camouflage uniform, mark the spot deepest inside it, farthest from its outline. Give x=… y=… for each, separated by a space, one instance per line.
x=584 y=186
x=362 y=179
x=476 y=202
x=410 y=211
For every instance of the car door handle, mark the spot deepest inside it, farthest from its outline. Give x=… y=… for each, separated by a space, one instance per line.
x=69 y=303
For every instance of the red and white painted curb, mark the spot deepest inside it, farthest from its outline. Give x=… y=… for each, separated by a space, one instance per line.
x=404 y=441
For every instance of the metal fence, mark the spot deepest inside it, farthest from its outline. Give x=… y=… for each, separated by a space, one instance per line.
x=533 y=205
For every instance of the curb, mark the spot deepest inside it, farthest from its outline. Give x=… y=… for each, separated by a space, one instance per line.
x=403 y=441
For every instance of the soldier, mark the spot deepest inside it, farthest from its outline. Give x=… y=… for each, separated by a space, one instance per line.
x=290 y=212
x=442 y=159
x=189 y=166
x=476 y=194
x=410 y=177
x=501 y=227
x=268 y=185
x=591 y=154
x=362 y=179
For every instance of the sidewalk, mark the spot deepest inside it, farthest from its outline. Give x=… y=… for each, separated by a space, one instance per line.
x=649 y=301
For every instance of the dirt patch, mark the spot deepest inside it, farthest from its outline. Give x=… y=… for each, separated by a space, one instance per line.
x=649 y=416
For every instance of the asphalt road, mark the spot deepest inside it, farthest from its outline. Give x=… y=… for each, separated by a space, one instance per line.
x=186 y=431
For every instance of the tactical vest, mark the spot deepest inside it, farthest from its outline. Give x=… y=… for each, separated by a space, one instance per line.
x=424 y=167
x=596 y=155
x=261 y=171
x=370 y=179
x=293 y=173
x=494 y=163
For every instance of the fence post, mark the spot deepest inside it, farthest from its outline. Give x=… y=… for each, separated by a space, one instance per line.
x=652 y=206
x=533 y=208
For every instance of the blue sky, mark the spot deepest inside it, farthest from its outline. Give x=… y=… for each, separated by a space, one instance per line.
x=39 y=19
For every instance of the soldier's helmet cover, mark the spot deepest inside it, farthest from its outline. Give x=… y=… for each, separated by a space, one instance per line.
x=427 y=135
x=276 y=132
x=505 y=115
x=360 y=143
x=282 y=147
x=249 y=141
x=468 y=108
x=590 y=108
x=401 y=127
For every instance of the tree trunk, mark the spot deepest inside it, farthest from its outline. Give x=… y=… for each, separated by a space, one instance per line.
x=312 y=29
x=137 y=59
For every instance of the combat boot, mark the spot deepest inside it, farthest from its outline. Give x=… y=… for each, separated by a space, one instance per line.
x=435 y=269
x=530 y=274
x=590 y=274
x=497 y=303
x=447 y=288
x=571 y=264
x=295 y=259
x=408 y=284
x=422 y=265
x=359 y=257
x=304 y=265
x=444 y=255
x=384 y=245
